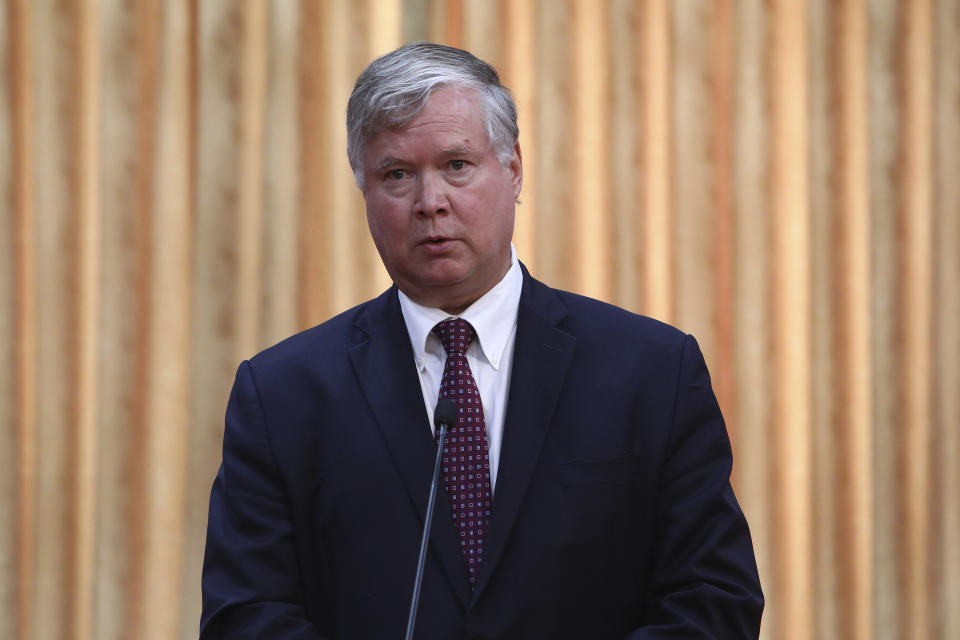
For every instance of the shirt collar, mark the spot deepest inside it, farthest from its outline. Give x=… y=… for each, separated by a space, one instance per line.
x=493 y=317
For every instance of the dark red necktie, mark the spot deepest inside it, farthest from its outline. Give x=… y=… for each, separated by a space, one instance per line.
x=466 y=457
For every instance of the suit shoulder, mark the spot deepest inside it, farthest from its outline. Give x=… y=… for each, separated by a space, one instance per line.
x=322 y=342
x=611 y=321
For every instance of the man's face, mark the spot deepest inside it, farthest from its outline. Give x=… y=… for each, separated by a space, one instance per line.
x=440 y=205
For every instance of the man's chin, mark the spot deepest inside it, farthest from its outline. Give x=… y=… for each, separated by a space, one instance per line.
x=443 y=273
x=437 y=290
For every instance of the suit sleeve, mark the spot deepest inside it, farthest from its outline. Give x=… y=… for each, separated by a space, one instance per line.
x=251 y=578
x=705 y=582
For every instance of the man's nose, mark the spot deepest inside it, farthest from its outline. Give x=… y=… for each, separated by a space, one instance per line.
x=431 y=195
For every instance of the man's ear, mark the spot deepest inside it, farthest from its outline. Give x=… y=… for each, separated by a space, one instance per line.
x=516 y=170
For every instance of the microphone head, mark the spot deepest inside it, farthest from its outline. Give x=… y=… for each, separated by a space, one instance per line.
x=445 y=413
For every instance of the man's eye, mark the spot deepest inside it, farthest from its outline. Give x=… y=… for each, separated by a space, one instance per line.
x=396 y=174
x=457 y=165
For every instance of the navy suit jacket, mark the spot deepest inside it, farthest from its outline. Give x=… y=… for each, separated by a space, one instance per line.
x=613 y=516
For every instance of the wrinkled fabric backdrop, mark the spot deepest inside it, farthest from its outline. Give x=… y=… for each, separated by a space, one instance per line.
x=779 y=178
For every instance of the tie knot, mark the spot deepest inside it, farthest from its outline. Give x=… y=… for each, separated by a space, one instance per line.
x=456 y=334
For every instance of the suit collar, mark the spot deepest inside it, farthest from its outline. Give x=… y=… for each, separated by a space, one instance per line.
x=542 y=355
x=384 y=365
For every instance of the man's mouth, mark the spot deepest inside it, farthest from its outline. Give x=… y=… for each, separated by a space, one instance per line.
x=436 y=244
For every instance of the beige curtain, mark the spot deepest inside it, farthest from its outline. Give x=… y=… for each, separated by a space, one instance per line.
x=780 y=178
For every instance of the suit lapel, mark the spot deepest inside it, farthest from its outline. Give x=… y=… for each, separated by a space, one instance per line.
x=383 y=362
x=541 y=356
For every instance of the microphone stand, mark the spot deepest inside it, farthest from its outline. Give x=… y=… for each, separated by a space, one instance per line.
x=442 y=417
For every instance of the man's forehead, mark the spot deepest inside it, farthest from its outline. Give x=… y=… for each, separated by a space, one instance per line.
x=450 y=124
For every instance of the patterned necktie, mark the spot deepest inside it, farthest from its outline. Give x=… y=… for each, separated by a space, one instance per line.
x=466 y=458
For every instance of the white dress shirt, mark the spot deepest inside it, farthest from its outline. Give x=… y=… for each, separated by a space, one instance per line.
x=490 y=355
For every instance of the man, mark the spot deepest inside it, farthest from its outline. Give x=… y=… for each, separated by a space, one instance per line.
x=586 y=480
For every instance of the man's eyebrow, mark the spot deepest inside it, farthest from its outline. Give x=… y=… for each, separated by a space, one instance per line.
x=458 y=150
x=386 y=163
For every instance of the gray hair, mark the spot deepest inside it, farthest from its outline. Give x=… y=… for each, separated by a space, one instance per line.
x=396 y=86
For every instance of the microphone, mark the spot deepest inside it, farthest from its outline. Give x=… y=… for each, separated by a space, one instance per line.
x=443 y=416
